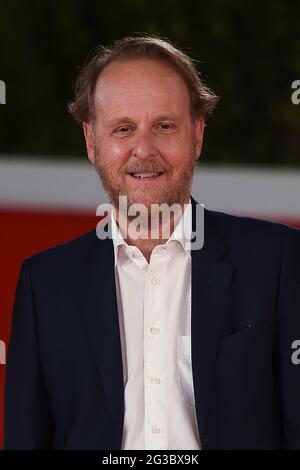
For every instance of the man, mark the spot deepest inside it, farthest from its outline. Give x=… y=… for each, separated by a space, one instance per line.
x=134 y=342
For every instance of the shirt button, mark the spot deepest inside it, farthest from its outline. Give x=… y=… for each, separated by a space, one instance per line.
x=155 y=331
x=155 y=430
x=155 y=380
x=155 y=280
x=130 y=253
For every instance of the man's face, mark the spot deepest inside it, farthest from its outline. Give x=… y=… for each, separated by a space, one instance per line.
x=143 y=126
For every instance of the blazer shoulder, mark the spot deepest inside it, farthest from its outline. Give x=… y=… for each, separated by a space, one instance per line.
x=237 y=225
x=68 y=253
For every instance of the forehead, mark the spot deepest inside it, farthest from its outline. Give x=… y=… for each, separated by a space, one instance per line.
x=144 y=84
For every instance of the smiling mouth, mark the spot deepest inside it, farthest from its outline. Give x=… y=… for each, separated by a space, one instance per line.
x=146 y=176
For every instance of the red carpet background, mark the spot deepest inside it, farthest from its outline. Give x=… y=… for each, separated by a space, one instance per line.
x=22 y=234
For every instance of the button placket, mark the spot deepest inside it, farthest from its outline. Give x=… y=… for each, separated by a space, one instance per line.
x=153 y=374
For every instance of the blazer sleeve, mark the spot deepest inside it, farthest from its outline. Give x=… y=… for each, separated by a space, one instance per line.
x=27 y=416
x=288 y=337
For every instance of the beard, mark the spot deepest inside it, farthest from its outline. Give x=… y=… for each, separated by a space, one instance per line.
x=176 y=189
x=175 y=192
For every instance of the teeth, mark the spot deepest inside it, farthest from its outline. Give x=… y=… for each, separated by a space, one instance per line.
x=145 y=175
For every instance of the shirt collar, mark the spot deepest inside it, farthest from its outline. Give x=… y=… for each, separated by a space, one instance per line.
x=181 y=233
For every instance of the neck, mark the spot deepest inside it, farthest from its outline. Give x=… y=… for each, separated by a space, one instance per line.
x=148 y=234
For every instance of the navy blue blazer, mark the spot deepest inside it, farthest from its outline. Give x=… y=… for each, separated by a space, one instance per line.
x=64 y=382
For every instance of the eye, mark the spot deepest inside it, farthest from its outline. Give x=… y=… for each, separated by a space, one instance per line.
x=123 y=130
x=166 y=126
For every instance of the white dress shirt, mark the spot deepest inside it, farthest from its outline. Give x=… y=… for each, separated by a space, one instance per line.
x=154 y=307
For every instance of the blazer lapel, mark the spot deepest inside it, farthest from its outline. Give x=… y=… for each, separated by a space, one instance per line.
x=211 y=280
x=100 y=316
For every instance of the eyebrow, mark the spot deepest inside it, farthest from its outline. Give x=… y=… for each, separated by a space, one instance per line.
x=161 y=117
x=117 y=121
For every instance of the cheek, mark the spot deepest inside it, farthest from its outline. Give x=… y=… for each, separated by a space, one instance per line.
x=113 y=153
x=175 y=151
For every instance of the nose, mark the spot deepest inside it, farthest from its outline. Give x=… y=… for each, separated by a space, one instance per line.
x=143 y=145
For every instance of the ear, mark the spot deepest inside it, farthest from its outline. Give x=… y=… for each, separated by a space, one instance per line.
x=89 y=141
x=199 y=131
